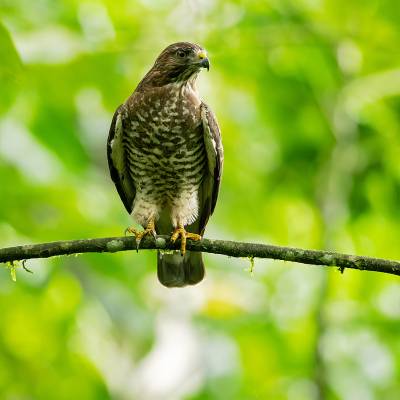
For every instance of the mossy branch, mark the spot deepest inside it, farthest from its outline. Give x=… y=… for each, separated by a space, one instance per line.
x=223 y=247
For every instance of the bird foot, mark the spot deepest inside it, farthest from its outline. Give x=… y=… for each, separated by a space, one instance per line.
x=181 y=232
x=139 y=235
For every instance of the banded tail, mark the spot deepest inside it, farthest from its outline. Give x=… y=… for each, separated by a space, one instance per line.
x=174 y=270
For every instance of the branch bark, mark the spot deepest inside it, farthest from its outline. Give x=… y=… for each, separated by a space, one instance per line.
x=224 y=247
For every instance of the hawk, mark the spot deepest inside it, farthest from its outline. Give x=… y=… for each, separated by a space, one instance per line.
x=165 y=157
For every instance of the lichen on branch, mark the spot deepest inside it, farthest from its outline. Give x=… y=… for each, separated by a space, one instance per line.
x=223 y=247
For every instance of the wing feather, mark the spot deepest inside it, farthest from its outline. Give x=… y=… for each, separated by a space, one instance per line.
x=215 y=156
x=117 y=160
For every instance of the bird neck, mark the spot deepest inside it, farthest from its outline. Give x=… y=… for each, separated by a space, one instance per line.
x=157 y=78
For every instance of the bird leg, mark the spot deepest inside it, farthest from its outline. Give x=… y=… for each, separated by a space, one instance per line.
x=139 y=235
x=180 y=231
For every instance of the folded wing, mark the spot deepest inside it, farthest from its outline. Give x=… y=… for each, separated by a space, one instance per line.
x=117 y=160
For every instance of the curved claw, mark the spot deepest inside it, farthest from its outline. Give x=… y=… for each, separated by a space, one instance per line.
x=180 y=231
x=138 y=240
x=139 y=235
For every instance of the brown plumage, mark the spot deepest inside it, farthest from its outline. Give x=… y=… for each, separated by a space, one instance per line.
x=165 y=157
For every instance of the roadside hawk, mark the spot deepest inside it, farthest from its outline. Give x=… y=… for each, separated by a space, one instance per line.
x=165 y=157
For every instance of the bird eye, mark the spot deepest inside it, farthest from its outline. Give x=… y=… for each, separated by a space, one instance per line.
x=181 y=53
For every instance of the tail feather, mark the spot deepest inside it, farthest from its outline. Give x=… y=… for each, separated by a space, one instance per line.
x=173 y=270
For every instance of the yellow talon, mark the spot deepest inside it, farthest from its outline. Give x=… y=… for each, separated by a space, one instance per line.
x=181 y=232
x=139 y=235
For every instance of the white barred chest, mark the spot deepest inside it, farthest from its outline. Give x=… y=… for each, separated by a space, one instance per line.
x=165 y=149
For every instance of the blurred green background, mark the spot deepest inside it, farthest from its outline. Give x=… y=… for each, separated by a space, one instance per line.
x=307 y=96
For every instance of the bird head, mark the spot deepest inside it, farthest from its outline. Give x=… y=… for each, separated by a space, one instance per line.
x=179 y=63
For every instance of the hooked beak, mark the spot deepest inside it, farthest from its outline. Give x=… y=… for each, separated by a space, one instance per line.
x=204 y=62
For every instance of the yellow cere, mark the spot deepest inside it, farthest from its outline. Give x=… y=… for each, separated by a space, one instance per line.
x=202 y=55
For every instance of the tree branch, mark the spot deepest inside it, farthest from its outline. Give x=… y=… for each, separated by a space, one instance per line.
x=224 y=247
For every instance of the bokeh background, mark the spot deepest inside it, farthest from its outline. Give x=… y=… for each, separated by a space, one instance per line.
x=307 y=96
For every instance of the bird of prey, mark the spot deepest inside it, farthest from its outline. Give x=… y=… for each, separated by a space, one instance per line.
x=165 y=157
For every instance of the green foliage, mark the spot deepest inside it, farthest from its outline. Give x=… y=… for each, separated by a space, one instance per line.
x=10 y=69
x=307 y=95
